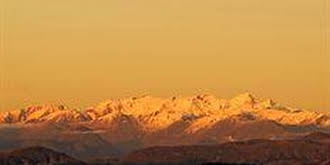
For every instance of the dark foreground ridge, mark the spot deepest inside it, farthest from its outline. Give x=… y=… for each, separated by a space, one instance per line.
x=227 y=164
x=313 y=149
x=248 y=152
x=37 y=155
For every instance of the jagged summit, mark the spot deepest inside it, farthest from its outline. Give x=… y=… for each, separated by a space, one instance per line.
x=245 y=99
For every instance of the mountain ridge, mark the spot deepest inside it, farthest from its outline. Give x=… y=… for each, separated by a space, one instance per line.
x=157 y=113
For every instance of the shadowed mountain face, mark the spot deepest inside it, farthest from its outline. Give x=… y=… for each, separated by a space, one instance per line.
x=117 y=127
x=37 y=155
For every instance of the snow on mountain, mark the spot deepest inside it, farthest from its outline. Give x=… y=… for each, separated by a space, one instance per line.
x=154 y=113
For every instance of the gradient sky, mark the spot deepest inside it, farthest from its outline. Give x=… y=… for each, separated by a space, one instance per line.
x=80 y=52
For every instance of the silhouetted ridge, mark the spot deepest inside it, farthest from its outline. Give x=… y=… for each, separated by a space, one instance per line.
x=248 y=152
x=37 y=155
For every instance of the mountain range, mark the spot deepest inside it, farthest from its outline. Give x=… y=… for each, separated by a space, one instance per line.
x=117 y=127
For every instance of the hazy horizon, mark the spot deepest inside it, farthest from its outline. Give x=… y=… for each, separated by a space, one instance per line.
x=81 y=52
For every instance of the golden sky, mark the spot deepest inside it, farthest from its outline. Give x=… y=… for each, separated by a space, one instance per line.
x=83 y=51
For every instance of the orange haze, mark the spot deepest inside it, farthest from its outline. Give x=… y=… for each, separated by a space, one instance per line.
x=80 y=52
